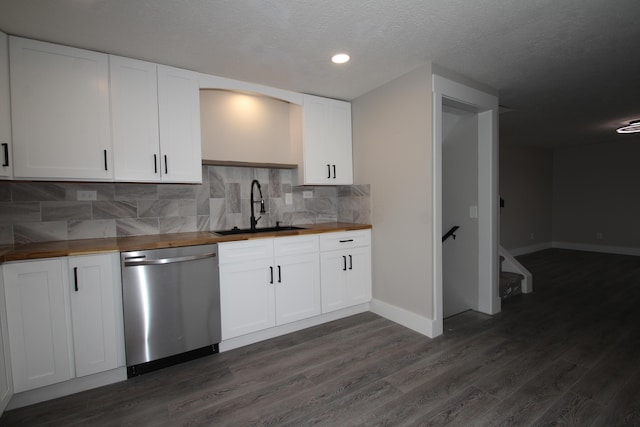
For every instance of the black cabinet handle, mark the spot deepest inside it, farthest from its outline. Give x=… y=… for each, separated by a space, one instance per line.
x=75 y=278
x=279 y=275
x=334 y=171
x=105 y=160
x=350 y=262
x=346 y=241
x=344 y=259
x=271 y=281
x=166 y=169
x=328 y=171
x=5 y=149
x=155 y=163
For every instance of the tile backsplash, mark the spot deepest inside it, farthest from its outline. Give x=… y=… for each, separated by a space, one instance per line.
x=46 y=211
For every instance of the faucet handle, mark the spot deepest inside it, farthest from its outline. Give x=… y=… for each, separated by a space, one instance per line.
x=262 y=206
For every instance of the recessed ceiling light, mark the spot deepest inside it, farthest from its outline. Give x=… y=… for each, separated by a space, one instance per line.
x=632 y=127
x=340 y=58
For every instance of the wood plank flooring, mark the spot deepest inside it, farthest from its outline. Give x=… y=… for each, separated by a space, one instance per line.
x=565 y=355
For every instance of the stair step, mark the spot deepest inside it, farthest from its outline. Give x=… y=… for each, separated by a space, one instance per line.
x=510 y=284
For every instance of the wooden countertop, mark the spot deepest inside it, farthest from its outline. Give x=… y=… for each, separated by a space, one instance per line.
x=155 y=241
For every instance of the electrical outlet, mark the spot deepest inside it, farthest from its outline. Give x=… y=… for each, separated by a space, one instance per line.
x=288 y=198
x=308 y=194
x=86 y=195
x=473 y=212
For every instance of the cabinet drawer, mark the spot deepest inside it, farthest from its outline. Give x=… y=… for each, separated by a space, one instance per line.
x=246 y=250
x=344 y=240
x=295 y=245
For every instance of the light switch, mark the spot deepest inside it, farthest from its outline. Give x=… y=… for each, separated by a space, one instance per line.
x=473 y=212
x=307 y=194
x=86 y=195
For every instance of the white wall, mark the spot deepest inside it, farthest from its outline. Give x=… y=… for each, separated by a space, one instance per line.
x=459 y=193
x=525 y=185
x=596 y=190
x=392 y=151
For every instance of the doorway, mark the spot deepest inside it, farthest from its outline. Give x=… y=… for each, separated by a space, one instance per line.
x=465 y=180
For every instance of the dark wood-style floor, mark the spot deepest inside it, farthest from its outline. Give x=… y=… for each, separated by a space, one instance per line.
x=567 y=354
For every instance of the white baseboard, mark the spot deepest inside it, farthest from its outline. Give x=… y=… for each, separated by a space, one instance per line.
x=254 y=337
x=619 y=250
x=66 y=388
x=423 y=325
x=529 y=249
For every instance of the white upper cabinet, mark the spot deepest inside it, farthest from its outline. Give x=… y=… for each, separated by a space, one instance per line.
x=327 y=148
x=179 y=113
x=5 y=109
x=134 y=119
x=60 y=112
x=155 y=122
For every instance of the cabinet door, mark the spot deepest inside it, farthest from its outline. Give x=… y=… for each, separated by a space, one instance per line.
x=5 y=109
x=359 y=275
x=60 y=112
x=39 y=323
x=179 y=113
x=334 y=266
x=327 y=141
x=93 y=313
x=297 y=287
x=134 y=119
x=246 y=297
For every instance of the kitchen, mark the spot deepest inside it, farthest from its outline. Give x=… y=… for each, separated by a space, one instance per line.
x=68 y=213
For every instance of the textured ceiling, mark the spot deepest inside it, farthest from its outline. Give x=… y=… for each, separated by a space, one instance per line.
x=569 y=69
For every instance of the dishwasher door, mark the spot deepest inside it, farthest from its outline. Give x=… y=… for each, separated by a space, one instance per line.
x=171 y=301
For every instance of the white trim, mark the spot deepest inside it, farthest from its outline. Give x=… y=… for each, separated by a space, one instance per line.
x=277 y=331
x=619 y=250
x=208 y=81
x=66 y=388
x=486 y=105
x=408 y=319
x=530 y=249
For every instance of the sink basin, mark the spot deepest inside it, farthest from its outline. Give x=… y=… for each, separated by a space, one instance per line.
x=236 y=230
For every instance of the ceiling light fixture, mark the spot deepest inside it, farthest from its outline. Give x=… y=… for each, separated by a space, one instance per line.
x=340 y=58
x=632 y=127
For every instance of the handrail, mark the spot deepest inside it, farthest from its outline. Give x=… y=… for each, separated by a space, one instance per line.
x=450 y=233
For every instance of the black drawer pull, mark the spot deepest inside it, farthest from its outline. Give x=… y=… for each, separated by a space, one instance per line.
x=334 y=171
x=166 y=168
x=271 y=281
x=279 y=275
x=346 y=241
x=350 y=262
x=328 y=171
x=155 y=163
x=105 y=160
x=344 y=259
x=5 y=149
x=75 y=278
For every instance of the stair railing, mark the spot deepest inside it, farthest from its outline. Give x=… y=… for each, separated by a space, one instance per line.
x=450 y=233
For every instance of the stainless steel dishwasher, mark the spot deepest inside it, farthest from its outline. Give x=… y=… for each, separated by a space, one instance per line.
x=171 y=301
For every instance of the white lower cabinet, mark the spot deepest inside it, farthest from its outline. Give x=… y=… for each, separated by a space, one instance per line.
x=345 y=258
x=268 y=282
x=62 y=318
x=6 y=383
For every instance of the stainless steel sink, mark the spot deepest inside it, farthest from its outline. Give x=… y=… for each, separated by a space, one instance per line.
x=236 y=230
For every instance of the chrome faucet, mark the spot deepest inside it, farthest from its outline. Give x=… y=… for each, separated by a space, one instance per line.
x=254 y=221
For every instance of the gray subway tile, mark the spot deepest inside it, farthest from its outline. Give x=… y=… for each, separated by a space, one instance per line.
x=132 y=191
x=37 y=191
x=179 y=224
x=65 y=211
x=136 y=226
x=5 y=191
x=6 y=234
x=158 y=208
x=30 y=232
x=115 y=209
x=92 y=229
x=12 y=212
x=176 y=191
x=233 y=198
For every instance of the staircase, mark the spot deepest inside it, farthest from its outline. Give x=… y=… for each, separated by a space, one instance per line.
x=510 y=282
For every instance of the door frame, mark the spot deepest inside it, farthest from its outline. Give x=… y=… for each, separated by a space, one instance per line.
x=486 y=106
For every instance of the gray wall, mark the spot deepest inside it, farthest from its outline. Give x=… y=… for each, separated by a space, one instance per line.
x=46 y=211
x=392 y=151
x=596 y=189
x=526 y=186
